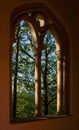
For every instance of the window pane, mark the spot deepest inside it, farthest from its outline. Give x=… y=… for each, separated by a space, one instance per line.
x=23 y=62
x=49 y=76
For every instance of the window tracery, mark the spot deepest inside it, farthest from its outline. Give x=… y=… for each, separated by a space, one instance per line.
x=38 y=56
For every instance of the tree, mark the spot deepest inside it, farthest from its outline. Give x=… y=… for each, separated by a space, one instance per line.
x=49 y=80
x=23 y=70
x=22 y=66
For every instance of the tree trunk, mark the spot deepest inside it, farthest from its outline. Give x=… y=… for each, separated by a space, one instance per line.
x=45 y=86
x=15 y=78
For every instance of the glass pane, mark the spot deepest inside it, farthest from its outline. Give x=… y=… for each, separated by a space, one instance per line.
x=49 y=76
x=23 y=82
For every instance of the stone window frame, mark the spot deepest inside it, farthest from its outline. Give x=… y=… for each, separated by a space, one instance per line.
x=62 y=51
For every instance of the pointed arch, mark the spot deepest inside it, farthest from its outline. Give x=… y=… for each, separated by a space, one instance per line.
x=39 y=21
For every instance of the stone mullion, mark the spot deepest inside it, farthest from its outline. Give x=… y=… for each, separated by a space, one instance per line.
x=38 y=83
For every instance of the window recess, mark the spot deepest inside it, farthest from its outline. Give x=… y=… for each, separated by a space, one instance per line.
x=38 y=68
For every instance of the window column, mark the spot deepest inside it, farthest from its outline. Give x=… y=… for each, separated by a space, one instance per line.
x=38 y=83
x=38 y=79
x=59 y=82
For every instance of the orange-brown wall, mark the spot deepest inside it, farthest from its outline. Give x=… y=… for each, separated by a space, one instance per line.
x=67 y=13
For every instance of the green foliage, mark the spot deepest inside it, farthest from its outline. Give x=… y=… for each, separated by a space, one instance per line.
x=25 y=106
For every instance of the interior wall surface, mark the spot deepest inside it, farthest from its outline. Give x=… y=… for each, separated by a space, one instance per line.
x=66 y=12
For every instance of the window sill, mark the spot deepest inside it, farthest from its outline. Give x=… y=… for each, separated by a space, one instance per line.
x=47 y=117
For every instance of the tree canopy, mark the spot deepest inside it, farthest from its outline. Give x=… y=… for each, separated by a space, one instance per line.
x=23 y=74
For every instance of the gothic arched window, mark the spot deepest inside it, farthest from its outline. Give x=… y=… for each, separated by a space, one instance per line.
x=38 y=67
